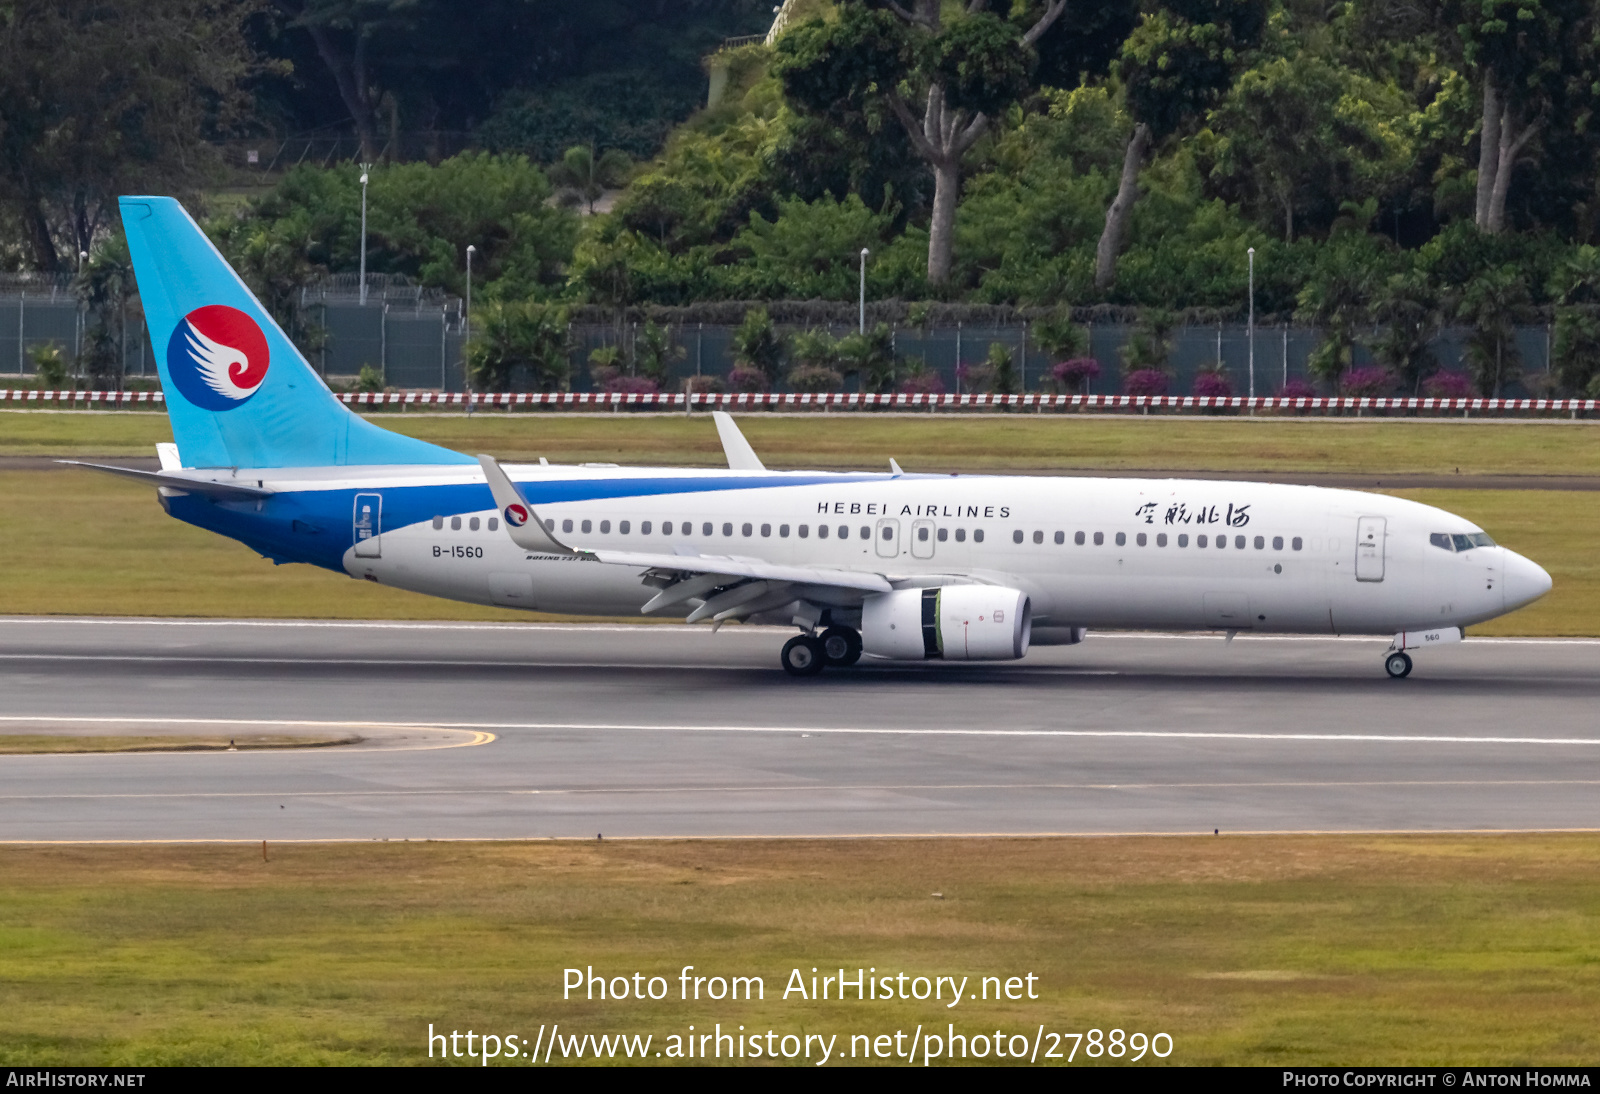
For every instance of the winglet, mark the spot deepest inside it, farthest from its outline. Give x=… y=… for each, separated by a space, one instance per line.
x=894 y=467
x=741 y=457
x=522 y=523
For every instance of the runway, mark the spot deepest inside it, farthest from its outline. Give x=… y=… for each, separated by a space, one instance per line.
x=505 y=731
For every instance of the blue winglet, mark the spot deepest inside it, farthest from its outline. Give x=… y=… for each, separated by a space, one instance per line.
x=238 y=392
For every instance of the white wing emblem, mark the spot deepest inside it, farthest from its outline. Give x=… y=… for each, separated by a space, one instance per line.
x=216 y=364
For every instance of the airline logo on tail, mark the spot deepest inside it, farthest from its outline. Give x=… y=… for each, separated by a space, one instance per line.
x=516 y=515
x=217 y=357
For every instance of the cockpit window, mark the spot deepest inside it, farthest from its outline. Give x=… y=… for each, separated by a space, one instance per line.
x=1460 y=542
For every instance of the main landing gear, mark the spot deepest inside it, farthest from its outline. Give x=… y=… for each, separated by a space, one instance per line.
x=1397 y=665
x=807 y=655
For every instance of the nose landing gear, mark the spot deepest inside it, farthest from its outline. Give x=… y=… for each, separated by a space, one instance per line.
x=1397 y=665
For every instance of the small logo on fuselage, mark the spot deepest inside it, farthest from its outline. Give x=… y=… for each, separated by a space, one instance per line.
x=516 y=515
x=217 y=357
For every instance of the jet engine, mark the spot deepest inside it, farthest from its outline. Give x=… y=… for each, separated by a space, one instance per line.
x=953 y=622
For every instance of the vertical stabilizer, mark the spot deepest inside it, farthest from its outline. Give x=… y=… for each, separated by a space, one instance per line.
x=238 y=392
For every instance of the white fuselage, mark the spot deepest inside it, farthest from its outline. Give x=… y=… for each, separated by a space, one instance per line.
x=1158 y=553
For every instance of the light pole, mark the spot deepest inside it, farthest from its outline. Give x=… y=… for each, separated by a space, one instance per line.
x=864 y=254
x=466 y=328
x=365 y=169
x=1252 y=329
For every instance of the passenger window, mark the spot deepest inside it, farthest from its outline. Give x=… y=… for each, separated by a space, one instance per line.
x=1122 y=539
x=1038 y=537
x=747 y=530
x=822 y=531
x=1061 y=537
x=438 y=523
x=1222 y=541
x=1238 y=542
x=494 y=524
x=766 y=531
x=605 y=527
x=888 y=533
x=644 y=528
x=844 y=531
x=944 y=534
x=1077 y=538
x=1261 y=543
x=804 y=530
x=1161 y=539
x=1016 y=537
x=705 y=529
x=727 y=529
x=1199 y=541
x=866 y=533
x=623 y=527
x=961 y=535
x=783 y=531
x=587 y=525
x=1099 y=538
x=1183 y=541
x=1139 y=539
x=977 y=535
x=1277 y=543
x=1295 y=543
x=472 y=524
x=922 y=535
x=455 y=524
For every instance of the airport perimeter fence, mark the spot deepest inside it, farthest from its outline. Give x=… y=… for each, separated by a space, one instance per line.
x=932 y=404
x=413 y=338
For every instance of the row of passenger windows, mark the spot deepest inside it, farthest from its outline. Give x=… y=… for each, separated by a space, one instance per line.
x=1142 y=540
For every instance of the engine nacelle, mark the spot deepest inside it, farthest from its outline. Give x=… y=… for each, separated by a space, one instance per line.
x=955 y=622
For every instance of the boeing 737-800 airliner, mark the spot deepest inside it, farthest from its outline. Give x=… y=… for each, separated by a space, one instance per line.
x=897 y=566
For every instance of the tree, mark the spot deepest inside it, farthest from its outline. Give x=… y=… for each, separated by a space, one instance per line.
x=1493 y=303
x=655 y=353
x=757 y=344
x=1537 y=67
x=1576 y=345
x=1174 y=65
x=959 y=76
x=1407 y=307
x=583 y=178
x=98 y=100
x=512 y=336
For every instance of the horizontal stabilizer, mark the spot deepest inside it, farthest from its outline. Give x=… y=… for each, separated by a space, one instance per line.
x=227 y=491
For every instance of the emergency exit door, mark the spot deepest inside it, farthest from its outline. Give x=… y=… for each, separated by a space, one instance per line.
x=1370 y=537
x=368 y=525
x=888 y=538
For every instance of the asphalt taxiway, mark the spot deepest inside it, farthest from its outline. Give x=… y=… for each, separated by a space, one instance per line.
x=504 y=731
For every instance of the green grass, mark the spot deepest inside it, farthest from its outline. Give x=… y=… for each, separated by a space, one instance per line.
x=1251 y=950
x=935 y=442
x=82 y=543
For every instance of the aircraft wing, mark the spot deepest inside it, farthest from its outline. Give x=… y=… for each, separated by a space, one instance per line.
x=729 y=566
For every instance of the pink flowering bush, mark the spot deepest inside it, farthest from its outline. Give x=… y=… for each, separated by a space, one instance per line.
x=751 y=381
x=632 y=385
x=1212 y=385
x=923 y=383
x=1297 y=388
x=1448 y=385
x=1369 y=382
x=1072 y=376
x=704 y=385
x=1145 y=381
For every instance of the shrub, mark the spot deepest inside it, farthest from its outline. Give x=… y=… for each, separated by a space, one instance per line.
x=704 y=385
x=1445 y=384
x=370 y=380
x=746 y=380
x=1368 y=382
x=1075 y=375
x=1212 y=385
x=1298 y=388
x=1145 y=381
x=632 y=385
x=922 y=383
x=815 y=379
x=50 y=365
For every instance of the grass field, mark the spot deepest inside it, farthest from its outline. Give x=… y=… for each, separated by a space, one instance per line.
x=1250 y=950
x=81 y=543
x=933 y=442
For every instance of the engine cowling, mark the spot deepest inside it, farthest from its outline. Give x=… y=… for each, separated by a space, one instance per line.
x=953 y=622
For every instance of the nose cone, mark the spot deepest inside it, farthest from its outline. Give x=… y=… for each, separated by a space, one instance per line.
x=1524 y=581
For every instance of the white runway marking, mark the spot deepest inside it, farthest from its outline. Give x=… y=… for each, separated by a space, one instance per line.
x=642 y=727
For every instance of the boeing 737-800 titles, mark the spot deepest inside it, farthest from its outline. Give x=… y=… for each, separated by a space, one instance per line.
x=897 y=566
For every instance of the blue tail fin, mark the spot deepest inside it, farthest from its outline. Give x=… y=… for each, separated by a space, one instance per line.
x=238 y=392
